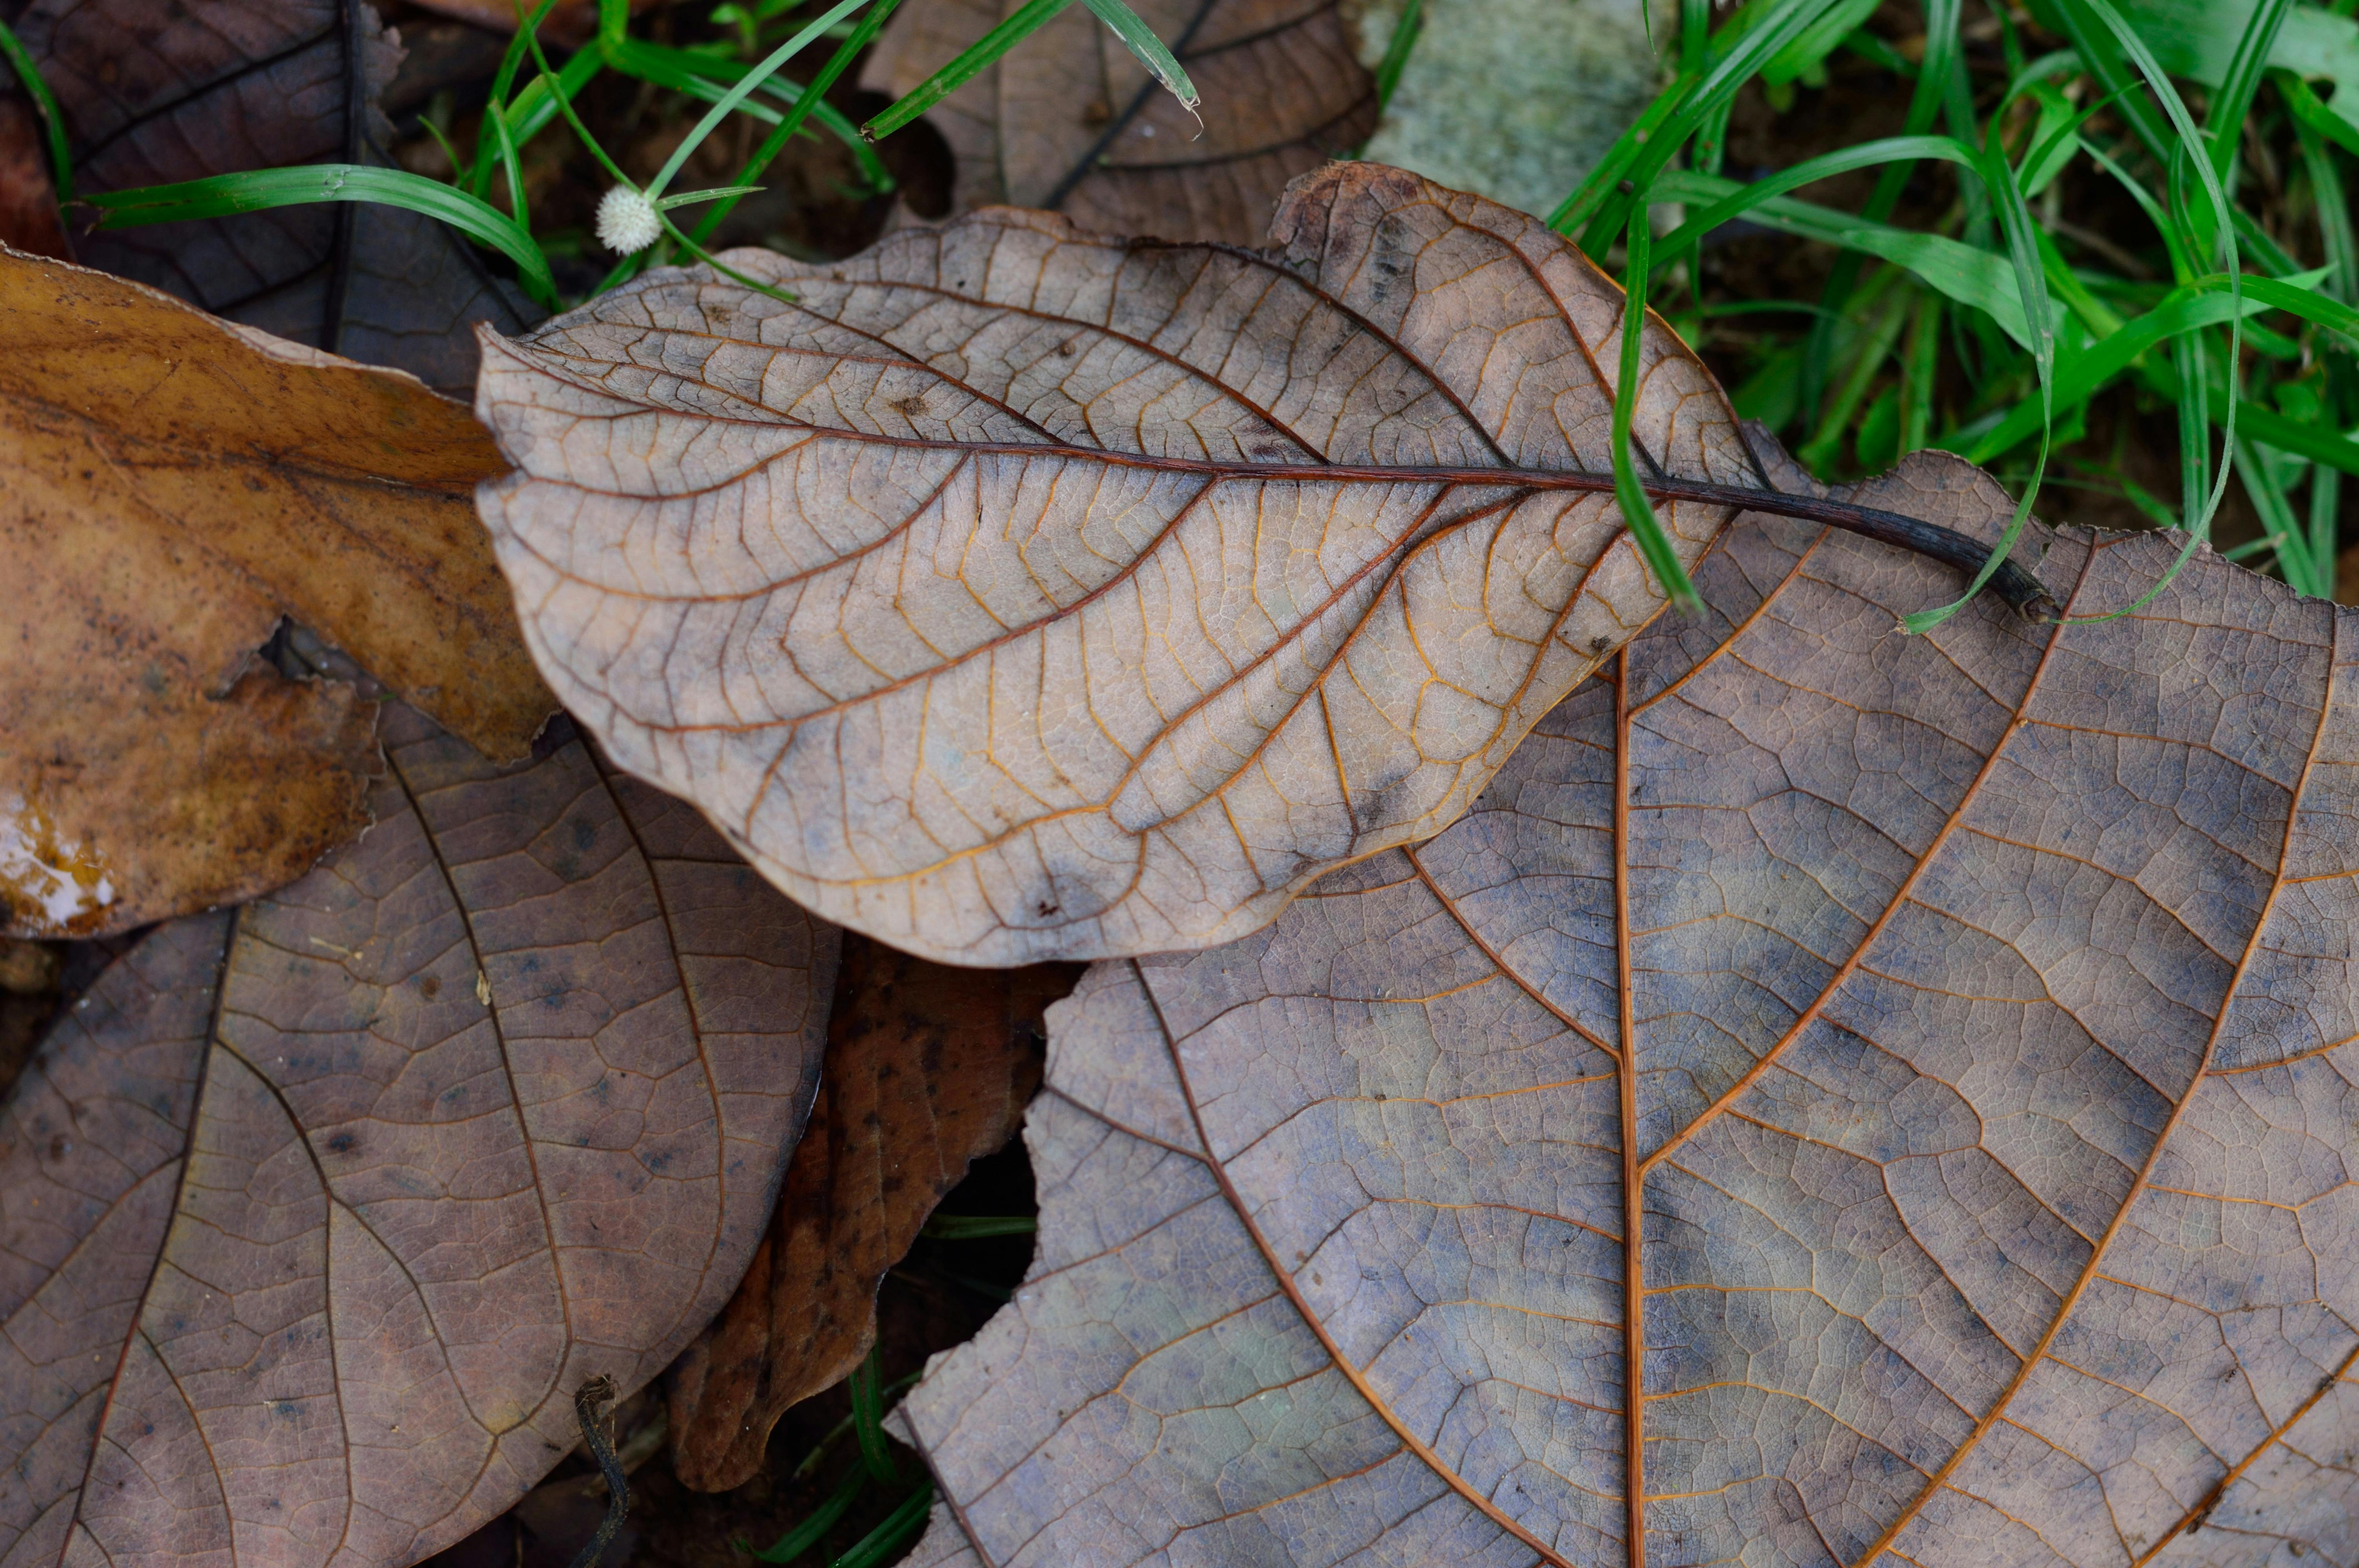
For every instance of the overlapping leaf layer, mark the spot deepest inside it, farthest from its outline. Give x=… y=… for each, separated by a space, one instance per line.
x=1839 y=1099
x=1073 y=122
x=314 y=1216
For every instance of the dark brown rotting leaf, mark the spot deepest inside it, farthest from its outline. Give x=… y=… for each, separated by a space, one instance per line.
x=928 y=1069
x=1072 y=123
x=317 y=1213
x=28 y=198
x=156 y=97
x=1839 y=1099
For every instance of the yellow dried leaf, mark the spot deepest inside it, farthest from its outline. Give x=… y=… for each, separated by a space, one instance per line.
x=174 y=486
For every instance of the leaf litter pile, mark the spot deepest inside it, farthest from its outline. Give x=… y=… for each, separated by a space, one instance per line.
x=1550 y=1076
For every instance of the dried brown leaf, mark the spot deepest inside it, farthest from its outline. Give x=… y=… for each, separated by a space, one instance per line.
x=1019 y=593
x=174 y=485
x=928 y=1069
x=1072 y=123
x=1839 y=1099
x=317 y=1213
x=155 y=95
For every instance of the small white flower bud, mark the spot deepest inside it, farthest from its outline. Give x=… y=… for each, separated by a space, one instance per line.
x=627 y=221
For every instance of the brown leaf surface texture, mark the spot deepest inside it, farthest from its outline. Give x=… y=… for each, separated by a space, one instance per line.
x=153 y=95
x=1019 y=593
x=1839 y=1099
x=317 y=1213
x=928 y=1069
x=174 y=485
x=1072 y=123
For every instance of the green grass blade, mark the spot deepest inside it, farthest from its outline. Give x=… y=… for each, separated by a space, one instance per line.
x=1147 y=50
x=2308 y=110
x=549 y=96
x=1695 y=34
x=813 y=1530
x=2298 y=296
x=1920 y=360
x=2032 y=284
x=708 y=77
x=479 y=178
x=878 y=1545
x=1576 y=210
x=444 y=145
x=736 y=95
x=688 y=243
x=2303 y=440
x=1924 y=102
x=1821 y=39
x=1755 y=45
x=2195 y=408
x=871 y=24
x=2216 y=195
x=223 y=195
x=2101 y=53
x=564 y=105
x=1818 y=454
x=1959 y=271
x=2336 y=240
x=1406 y=32
x=2049 y=67
x=2286 y=537
x=2055 y=139
x=557 y=92
x=2182 y=265
x=694 y=198
x=2271 y=255
x=53 y=122
x=868 y=1420
x=976 y=1226
x=2223 y=120
x=2325 y=508
x=1866 y=155
x=1637 y=511
x=2185 y=310
x=817 y=1456
x=511 y=163
x=972 y=62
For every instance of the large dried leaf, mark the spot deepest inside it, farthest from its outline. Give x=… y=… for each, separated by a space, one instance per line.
x=1073 y=122
x=173 y=486
x=155 y=95
x=317 y=1213
x=928 y=1069
x=1901 y=1091
x=1019 y=593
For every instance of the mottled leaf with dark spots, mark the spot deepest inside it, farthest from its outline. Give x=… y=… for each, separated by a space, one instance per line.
x=1838 y=1098
x=316 y=1213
